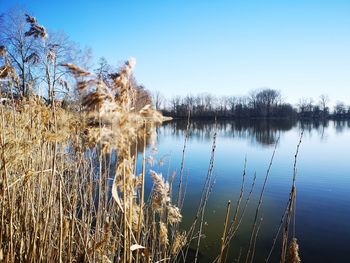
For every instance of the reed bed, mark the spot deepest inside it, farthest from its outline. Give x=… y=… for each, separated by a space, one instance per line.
x=70 y=190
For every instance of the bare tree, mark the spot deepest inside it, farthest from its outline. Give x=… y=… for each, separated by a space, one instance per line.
x=143 y=97
x=324 y=100
x=263 y=101
x=175 y=103
x=157 y=99
x=305 y=107
x=104 y=71
x=339 y=109
x=223 y=102
x=58 y=49
x=209 y=101
x=232 y=103
x=252 y=97
x=267 y=98
x=19 y=34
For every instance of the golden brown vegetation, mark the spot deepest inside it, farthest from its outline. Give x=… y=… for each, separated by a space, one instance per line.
x=70 y=190
x=57 y=199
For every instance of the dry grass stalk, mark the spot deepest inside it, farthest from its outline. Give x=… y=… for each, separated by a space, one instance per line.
x=180 y=196
x=224 y=233
x=291 y=207
x=254 y=232
x=63 y=195
x=207 y=188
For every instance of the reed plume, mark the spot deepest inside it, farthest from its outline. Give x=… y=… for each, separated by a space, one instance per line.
x=293 y=252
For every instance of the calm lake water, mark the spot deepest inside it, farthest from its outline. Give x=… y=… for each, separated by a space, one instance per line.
x=323 y=183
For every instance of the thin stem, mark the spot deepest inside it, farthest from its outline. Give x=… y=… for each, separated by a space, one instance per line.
x=260 y=203
x=224 y=233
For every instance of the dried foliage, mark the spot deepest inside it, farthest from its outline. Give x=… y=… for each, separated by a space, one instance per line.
x=35 y=29
x=57 y=202
x=55 y=169
x=7 y=70
x=2 y=51
x=75 y=70
x=293 y=252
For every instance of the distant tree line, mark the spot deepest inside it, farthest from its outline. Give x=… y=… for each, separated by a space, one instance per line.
x=261 y=104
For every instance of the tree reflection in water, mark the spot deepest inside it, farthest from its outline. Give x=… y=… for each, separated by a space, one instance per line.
x=262 y=132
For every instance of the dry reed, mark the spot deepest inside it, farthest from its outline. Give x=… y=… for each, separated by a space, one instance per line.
x=57 y=202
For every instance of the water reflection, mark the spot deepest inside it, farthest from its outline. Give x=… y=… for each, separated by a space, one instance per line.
x=341 y=125
x=262 y=132
x=323 y=181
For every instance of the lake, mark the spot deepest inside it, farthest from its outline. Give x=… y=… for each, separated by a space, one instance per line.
x=323 y=182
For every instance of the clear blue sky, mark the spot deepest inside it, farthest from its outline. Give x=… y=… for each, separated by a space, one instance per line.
x=223 y=47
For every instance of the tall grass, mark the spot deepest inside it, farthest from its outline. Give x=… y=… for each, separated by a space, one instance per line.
x=70 y=190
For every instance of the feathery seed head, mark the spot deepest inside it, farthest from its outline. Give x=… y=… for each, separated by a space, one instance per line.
x=293 y=252
x=174 y=215
x=163 y=233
